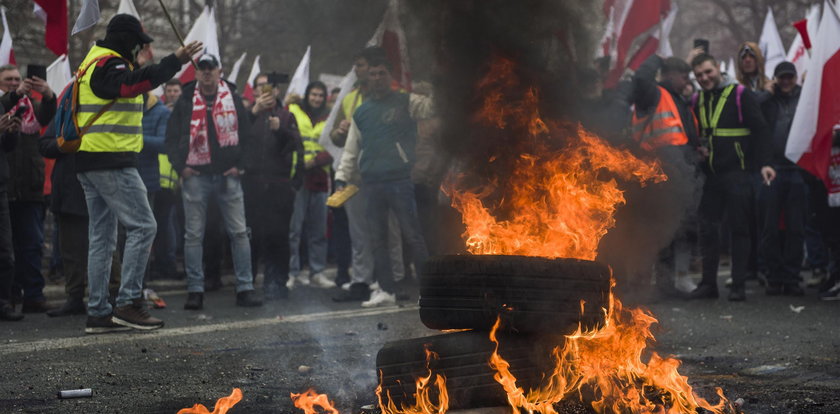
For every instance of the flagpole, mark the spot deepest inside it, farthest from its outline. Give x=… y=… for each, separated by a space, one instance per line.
x=175 y=29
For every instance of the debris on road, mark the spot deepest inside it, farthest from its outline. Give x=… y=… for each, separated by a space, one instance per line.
x=81 y=393
x=304 y=369
x=382 y=326
x=797 y=309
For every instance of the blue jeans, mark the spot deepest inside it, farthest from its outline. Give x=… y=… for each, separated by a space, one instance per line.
x=111 y=196
x=310 y=213
x=397 y=197
x=28 y=238
x=227 y=191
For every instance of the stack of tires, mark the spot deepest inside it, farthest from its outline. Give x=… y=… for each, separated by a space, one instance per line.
x=538 y=301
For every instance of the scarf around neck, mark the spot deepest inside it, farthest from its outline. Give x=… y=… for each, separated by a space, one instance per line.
x=224 y=120
x=28 y=123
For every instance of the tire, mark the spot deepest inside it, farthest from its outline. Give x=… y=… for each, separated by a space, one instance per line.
x=463 y=359
x=531 y=294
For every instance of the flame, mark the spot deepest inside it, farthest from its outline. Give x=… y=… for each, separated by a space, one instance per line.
x=557 y=202
x=309 y=399
x=423 y=402
x=222 y=405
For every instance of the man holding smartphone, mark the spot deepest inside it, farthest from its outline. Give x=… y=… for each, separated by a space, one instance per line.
x=26 y=179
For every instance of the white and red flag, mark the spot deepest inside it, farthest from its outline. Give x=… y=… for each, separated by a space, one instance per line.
x=248 y=90
x=301 y=77
x=771 y=44
x=203 y=30
x=234 y=73
x=633 y=33
x=7 y=52
x=54 y=15
x=127 y=7
x=810 y=140
x=59 y=74
x=390 y=37
x=89 y=15
x=798 y=52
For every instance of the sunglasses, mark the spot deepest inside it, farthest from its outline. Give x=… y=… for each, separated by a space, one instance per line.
x=746 y=50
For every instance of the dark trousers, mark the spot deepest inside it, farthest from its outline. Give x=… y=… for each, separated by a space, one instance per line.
x=726 y=195
x=268 y=212
x=814 y=243
x=396 y=196
x=343 y=248
x=27 y=219
x=165 y=240
x=785 y=197
x=73 y=244
x=7 y=260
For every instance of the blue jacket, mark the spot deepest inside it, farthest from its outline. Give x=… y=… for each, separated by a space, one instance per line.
x=154 y=133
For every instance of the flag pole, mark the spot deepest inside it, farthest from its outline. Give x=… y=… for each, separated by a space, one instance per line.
x=175 y=29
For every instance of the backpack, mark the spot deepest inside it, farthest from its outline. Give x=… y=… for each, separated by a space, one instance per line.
x=67 y=131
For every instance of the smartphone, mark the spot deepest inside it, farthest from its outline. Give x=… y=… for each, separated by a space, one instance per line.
x=266 y=88
x=36 y=70
x=20 y=111
x=703 y=44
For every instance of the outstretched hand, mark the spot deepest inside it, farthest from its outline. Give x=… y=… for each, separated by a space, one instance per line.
x=185 y=53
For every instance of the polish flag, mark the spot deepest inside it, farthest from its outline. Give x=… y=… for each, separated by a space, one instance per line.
x=127 y=7
x=301 y=77
x=7 y=53
x=771 y=45
x=390 y=37
x=633 y=31
x=658 y=41
x=54 y=15
x=810 y=139
x=234 y=73
x=203 y=30
x=89 y=15
x=59 y=74
x=798 y=53
x=731 y=70
x=248 y=91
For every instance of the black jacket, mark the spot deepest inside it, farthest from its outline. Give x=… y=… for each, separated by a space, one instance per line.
x=646 y=96
x=8 y=142
x=26 y=166
x=67 y=197
x=270 y=155
x=778 y=111
x=178 y=135
x=727 y=154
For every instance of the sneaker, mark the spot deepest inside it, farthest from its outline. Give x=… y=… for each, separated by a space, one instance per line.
x=347 y=285
x=7 y=313
x=356 y=292
x=374 y=286
x=103 y=324
x=195 y=301
x=342 y=277
x=136 y=316
x=301 y=279
x=818 y=276
x=319 y=280
x=248 y=299
x=73 y=306
x=832 y=294
x=703 y=292
x=380 y=298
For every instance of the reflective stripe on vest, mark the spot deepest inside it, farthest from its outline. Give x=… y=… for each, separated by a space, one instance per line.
x=168 y=176
x=710 y=129
x=120 y=129
x=310 y=133
x=661 y=128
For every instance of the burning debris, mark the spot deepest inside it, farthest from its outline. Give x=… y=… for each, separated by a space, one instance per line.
x=309 y=400
x=222 y=405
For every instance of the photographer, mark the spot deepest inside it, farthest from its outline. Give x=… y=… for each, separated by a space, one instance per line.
x=25 y=187
x=275 y=161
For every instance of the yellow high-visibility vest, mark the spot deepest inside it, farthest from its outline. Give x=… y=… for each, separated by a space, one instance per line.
x=309 y=133
x=120 y=129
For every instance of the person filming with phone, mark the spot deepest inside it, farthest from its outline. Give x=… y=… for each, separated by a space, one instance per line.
x=30 y=100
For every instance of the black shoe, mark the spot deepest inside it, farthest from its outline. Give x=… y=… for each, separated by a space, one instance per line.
x=275 y=291
x=703 y=292
x=248 y=299
x=737 y=294
x=136 y=316
x=793 y=290
x=774 y=289
x=195 y=301
x=36 y=306
x=342 y=277
x=212 y=284
x=826 y=285
x=7 y=313
x=70 y=307
x=832 y=293
x=104 y=324
x=359 y=292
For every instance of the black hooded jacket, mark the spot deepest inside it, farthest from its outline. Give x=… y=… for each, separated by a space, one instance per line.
x=778 y=112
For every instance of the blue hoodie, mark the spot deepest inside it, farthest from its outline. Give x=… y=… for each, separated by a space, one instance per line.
x=155 y=118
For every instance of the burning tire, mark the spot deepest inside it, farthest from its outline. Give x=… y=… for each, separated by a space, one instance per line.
x=463 y=360
x=531 y=294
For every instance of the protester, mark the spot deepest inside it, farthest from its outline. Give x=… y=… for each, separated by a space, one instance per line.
x=106 y=164
x=310 y=210
x=786 y=196
x=9 y=136
x=25 y=187
x=171 y=92
x=750 y=71
x=733 y=131
x=385 y=129
x=207 y=132
x=275 y=172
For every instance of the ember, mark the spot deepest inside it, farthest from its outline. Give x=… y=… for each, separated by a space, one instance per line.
x=222 y=405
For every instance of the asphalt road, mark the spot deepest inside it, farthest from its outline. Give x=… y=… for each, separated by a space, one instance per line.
x=777 y=359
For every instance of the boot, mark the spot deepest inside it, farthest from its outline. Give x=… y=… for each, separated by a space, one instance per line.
x=73 y=306
x=195 y=301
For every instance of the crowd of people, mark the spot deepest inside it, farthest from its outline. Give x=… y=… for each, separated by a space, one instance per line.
x=158 y=184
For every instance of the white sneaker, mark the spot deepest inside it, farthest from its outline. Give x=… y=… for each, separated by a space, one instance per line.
x=319 y=280
x=302 y=279
x=374 y=286
x=346 y=286
x=290 y=284
x=380 y=298
x=685 y=283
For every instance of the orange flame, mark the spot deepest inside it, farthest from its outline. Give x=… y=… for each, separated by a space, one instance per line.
x=222 y=405
x=557 y=202
x=309 y=400
x=423 y=401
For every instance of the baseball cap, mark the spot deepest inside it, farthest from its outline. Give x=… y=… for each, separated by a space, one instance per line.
x=784 y=68
x=126 y=23
x=208 y=61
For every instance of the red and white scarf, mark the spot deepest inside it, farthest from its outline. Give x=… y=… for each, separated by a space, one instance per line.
x=29 y=124
x=224 y=119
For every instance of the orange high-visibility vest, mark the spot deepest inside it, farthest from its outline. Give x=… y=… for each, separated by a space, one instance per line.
x=661 y=128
